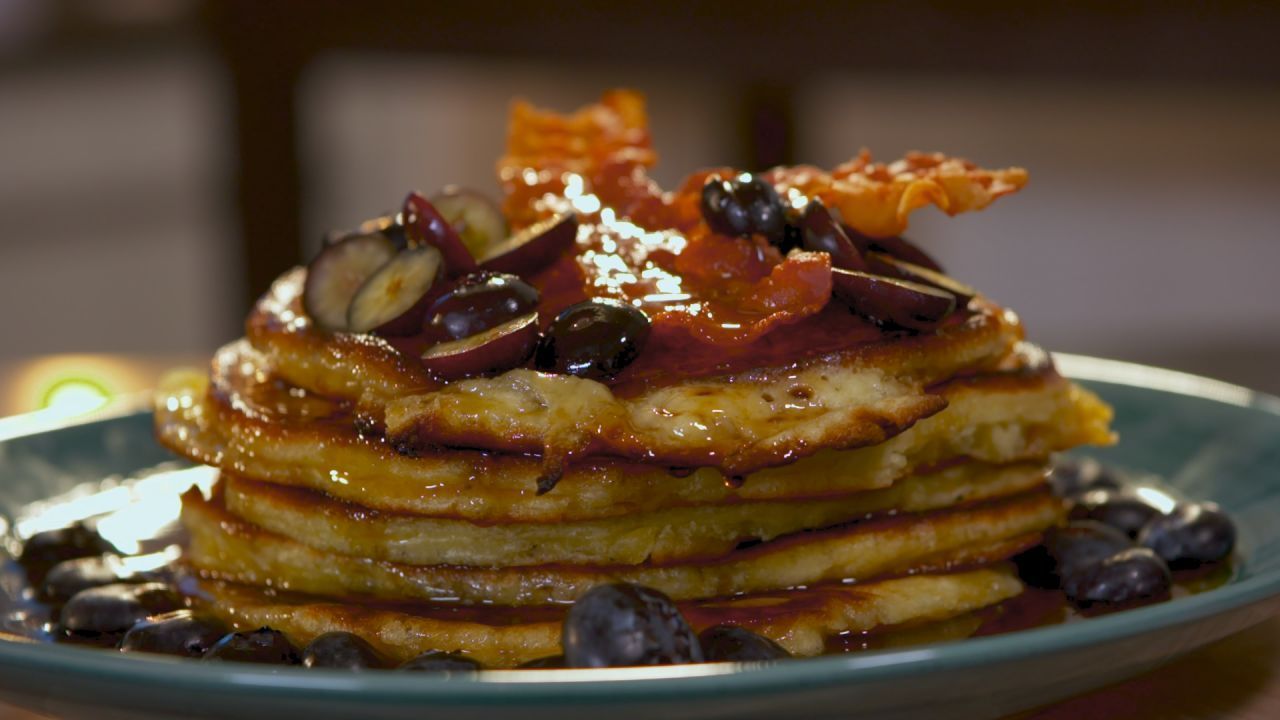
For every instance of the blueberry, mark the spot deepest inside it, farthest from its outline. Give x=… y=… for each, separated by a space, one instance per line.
x=45 y=549
x=622 y=625
x=593 y=339
x=264 y=646
x=545 y=663
x=1069 y=551
x=102 y=614
x=1071 y=477
x=1122 y=511
x=71 y=576
x=728 y=643
x=744 y=206
x=441 y=662
x=1192 y=535
x=1129 y=578
x=340 y=650
x=181 y=632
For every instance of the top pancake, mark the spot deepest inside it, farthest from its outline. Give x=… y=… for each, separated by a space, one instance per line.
x=773 y=413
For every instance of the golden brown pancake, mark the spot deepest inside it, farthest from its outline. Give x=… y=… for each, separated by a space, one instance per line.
x=252 y=425
x=227 y=548
x=800 y=620
x=662 y=537
x=763 y=417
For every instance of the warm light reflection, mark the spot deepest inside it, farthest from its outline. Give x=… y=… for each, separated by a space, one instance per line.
x=75 y=396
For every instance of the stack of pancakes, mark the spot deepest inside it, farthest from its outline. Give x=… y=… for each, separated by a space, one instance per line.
x=879 y=486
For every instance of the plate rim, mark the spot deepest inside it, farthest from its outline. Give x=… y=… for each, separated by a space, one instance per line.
x=688 y=681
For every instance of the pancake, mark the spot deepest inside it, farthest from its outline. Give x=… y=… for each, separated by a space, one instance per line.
x=761 y=417
x=662 y=537
x=250 y=424
x=799 y=620
x=224 y=547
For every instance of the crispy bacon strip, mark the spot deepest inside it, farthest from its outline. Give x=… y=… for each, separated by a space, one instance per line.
x=876 y=199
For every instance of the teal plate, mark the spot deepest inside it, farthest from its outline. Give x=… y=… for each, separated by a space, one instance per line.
x=1207 y=439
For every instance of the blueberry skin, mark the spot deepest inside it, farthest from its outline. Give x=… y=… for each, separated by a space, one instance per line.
x=110 y=610
x=729 y=643
x=72 y=576
x=45 y=549
x=340 y=650
x=1194 y=534
x=264 y=646
x=1120 y=510
x=622 y=625
x=1127 y=579
x=744 y=206
x=1067 y=551
x=593 y=339
x=1071 y=477
x=180 y=633
x=441 y=662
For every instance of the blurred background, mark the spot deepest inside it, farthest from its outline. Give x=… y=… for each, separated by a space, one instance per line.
x=162 y=160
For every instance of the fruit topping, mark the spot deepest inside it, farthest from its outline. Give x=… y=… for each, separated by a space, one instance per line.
x=593 y=339
x=729 y=643
x=102 y=614
x=341 y=650
x=534 y=247
x=264 y=645
x=1071 y=477
x=425 y=226
x=1194 y=534
x=500 y=348
x=1127 y=579
x=180 y=632
x=392 y=300
x=441 y=662
x=45 y=549
x=821 y=233
x=884 y=264
x=71 y=576
x=898 y=247
x=1121 y=510
x=894 y=302
x=621 y=625
x=335 y=275
x=477 y=219
x=744 y=206
x=477 y=303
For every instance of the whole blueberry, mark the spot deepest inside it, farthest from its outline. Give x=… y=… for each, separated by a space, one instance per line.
x=1129 y=578
x=340 y=650
x=729 y=643
x=441 y=662
x=722 y=210
x=109 y=610
x=45 y=549
x=71 y=576
x=1122 y=511
x=181 y=632
x=1194 y=534
x=593 y=339
x=1071 y=477
x=743 y=206
x=621 y=625
x=264 y=646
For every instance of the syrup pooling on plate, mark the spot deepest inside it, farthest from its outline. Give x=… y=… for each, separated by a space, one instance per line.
x=162 y=604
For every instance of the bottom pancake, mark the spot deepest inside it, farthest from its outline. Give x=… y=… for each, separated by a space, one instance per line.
x=800 y=620
x=224 y=547
x=661 y=537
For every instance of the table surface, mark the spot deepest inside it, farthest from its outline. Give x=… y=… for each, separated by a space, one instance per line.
x=1238 y=677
